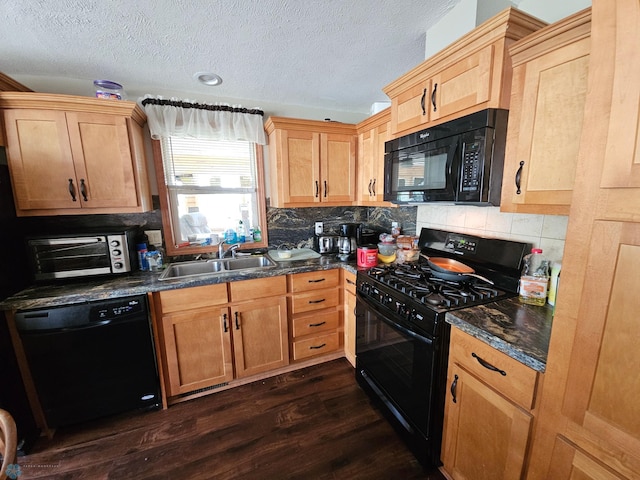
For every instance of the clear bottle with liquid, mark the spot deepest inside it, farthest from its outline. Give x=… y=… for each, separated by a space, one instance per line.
x=241 y=232
x=534 y=282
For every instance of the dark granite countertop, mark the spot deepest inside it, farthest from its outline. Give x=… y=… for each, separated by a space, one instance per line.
x=136 y=283
x=518 y=330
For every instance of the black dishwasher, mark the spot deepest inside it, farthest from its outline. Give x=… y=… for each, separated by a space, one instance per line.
x=91 y=359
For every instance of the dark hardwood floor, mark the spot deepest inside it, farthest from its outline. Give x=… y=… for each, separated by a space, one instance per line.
x=310 y=424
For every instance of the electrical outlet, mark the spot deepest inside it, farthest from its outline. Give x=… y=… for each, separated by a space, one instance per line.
x=319 y=228
x=155 y=237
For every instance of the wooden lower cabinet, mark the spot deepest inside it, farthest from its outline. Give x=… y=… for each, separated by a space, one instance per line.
x=487 y=429
x=260 y=340
x=315 y=313
x=206 y=340
x=349 y=315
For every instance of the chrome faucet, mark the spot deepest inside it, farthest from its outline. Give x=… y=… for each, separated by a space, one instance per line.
x=232 y=249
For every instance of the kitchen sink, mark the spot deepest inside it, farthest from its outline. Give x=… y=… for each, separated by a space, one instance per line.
x=208 y=267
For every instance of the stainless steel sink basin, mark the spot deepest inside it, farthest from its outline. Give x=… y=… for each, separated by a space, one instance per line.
x=209 y=267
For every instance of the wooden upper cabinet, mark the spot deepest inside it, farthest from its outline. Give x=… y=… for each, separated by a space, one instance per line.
x=74 y=155
x=550 y=71
x=311 y=162
x=372 y=135
x=472 y=74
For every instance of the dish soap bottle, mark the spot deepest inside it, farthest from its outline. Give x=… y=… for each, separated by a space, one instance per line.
x=230 y=236
x=534 y=281
x=242 y=234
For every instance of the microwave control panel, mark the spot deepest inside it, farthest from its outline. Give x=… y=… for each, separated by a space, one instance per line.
x=118 y=253
x=470 y=181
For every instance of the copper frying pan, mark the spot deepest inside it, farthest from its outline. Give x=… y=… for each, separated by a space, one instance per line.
x=450 y=269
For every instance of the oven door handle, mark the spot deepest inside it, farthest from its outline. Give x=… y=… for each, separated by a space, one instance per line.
x=393 y=324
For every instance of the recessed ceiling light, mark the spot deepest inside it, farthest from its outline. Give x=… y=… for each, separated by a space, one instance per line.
x=206 y=78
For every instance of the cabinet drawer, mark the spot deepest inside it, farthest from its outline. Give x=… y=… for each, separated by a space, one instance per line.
x=518 y=382
x=193 y=297
x=311 y=324
x=316 y=300
x=318 y=345
x=349 y=282
x=257 y=288
x=301 y=282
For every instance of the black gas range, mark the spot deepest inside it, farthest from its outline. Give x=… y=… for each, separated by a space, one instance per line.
x=402 y=339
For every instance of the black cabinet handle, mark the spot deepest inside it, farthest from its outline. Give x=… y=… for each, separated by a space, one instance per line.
x=224 y=322
x=72 y=190
x=519 y=178
x=370 y=186
x=350 y=282
x=83 y=190
x=319 y=346
x=317 y=301
x=487 y=365
x=316 y=281
x=424 y=96
x=237 y=323
x=316 y=324
x=453 y=388
x=433 y=97
x=317 y=189
x=325 y=189
x=374 y=187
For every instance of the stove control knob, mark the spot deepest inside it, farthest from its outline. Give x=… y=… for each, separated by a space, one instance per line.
x=118 y=265
x=114 y=243
x=116 y=252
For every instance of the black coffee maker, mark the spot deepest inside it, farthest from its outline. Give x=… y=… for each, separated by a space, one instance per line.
x=347 y=241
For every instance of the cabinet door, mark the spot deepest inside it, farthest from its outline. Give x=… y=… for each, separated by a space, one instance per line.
x=350 y=327
x=486 y=435
x=102 y=158
x=260 y=337
x=300 y=153
x=338 y=168
x=545 y=125
x=366 y=153
x=573 y=464
x=410 y=108
x=382 y=135
x=464 y=85
x=197 y=345
x=40 y=161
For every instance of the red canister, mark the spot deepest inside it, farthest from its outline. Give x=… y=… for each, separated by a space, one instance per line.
x=367 y=256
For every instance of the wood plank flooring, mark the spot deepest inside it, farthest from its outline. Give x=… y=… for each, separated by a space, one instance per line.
x=314 y=423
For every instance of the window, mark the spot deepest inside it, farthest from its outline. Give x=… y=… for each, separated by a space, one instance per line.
x=207 y=186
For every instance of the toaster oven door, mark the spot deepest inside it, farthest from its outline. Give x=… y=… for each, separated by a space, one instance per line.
x=53 y=258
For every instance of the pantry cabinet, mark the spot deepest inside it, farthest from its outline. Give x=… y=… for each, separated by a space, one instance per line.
x=588 y=424
x=472 y=74
x=73 y=155
x=311 y=163
x=550 y=70
x=488 y=417
x=315 y=313
x=372 y=135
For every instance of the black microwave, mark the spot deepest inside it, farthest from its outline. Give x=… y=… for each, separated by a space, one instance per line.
x=459 y=162
x=82 y=254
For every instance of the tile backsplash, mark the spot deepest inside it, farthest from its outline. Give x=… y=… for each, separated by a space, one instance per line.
x=543 y=231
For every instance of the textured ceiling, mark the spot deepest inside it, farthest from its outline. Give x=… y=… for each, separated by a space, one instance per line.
x=326 y=54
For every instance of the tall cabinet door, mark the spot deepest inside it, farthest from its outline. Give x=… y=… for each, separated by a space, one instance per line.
x=300 y=166
x=338 y=167
x=41 y=166
x=102 y=157
x=589 y=424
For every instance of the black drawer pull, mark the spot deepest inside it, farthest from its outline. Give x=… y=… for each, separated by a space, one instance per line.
x=72 y=190
x=317 y=301
x=237 y=323
x=224 y=322
x=424 y=94
x=83 y=190
x=316 y=324
x=487 y=365
x=318 y=347
x=316 y=281
x=350 y=282
x=317 y=189
x=453 y=388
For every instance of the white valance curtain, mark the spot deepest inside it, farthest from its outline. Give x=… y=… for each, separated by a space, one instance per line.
x=182 y=118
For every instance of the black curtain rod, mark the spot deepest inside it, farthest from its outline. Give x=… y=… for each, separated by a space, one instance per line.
x=201 y=106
